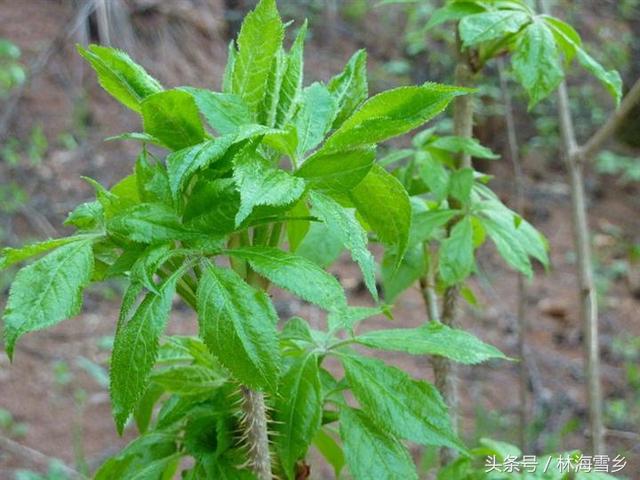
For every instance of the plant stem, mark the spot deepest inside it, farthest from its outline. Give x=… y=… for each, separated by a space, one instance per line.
x=256 y=431
x=428 y=286
x=587 y=293
x=521 y=319
x=444 y=370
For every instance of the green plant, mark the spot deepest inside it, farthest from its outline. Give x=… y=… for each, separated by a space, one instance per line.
x=10 y=426
x=246 y=398
x=623 y=166
x=12 y=73
x=541 y=47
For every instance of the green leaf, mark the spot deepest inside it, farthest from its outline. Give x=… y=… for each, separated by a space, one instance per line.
x=463 y=145
x=508 y=244
x=424 y=224
x=565 y=35
x=259 y=183
x=371 y=452
x=397 y=276
x=298 y=410
x=144 y=411
x=135 y=349
x=407 y=408
x=224 y=112
x=460 y=185
x=259 y=40
x=227 y=77
x=137 y=136
x=212 y=206
x=86 y=216
x=120 y=76
x=172 y=117
x=10 y=256
x=343 y=224
x=182 y=164
x=321 y=245
x=149 y=223
x=337 y=172
x=330 y=450
x=269 y=107
x=238 y=324
x=292 y=79
x=47 y=291
x=384 y=203
x=314 y=117
x=432 y=339
x=486 y=26
x=435 y=176
x=146 y=265
x=456 y=253
x=297 y=229
x=392 y=113
x=300 y=276
x=350 y=87
x=571 y=44
x=609 y=78
x=452 y=12
x=348 y=318
x=188 y=379
x=536 y=62
x=514 y=237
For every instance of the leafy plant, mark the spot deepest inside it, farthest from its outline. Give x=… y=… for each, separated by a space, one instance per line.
x=541 y=46
x=453 y=213
x=262 y=159
x=12 y=72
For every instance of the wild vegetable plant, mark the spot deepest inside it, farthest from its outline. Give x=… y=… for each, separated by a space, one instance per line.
x=540 y=47
x=217 y=221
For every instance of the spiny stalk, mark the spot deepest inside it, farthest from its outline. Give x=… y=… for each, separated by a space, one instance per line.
x=256 y=434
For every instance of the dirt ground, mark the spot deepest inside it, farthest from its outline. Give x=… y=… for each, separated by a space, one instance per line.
x=44 y=385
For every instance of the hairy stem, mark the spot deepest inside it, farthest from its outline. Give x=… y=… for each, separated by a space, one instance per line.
x=521 y=319
x=256 y=432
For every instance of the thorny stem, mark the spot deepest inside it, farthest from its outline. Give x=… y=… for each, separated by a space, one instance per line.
x=255 y=419
x=256 y=431
x=521 y=320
